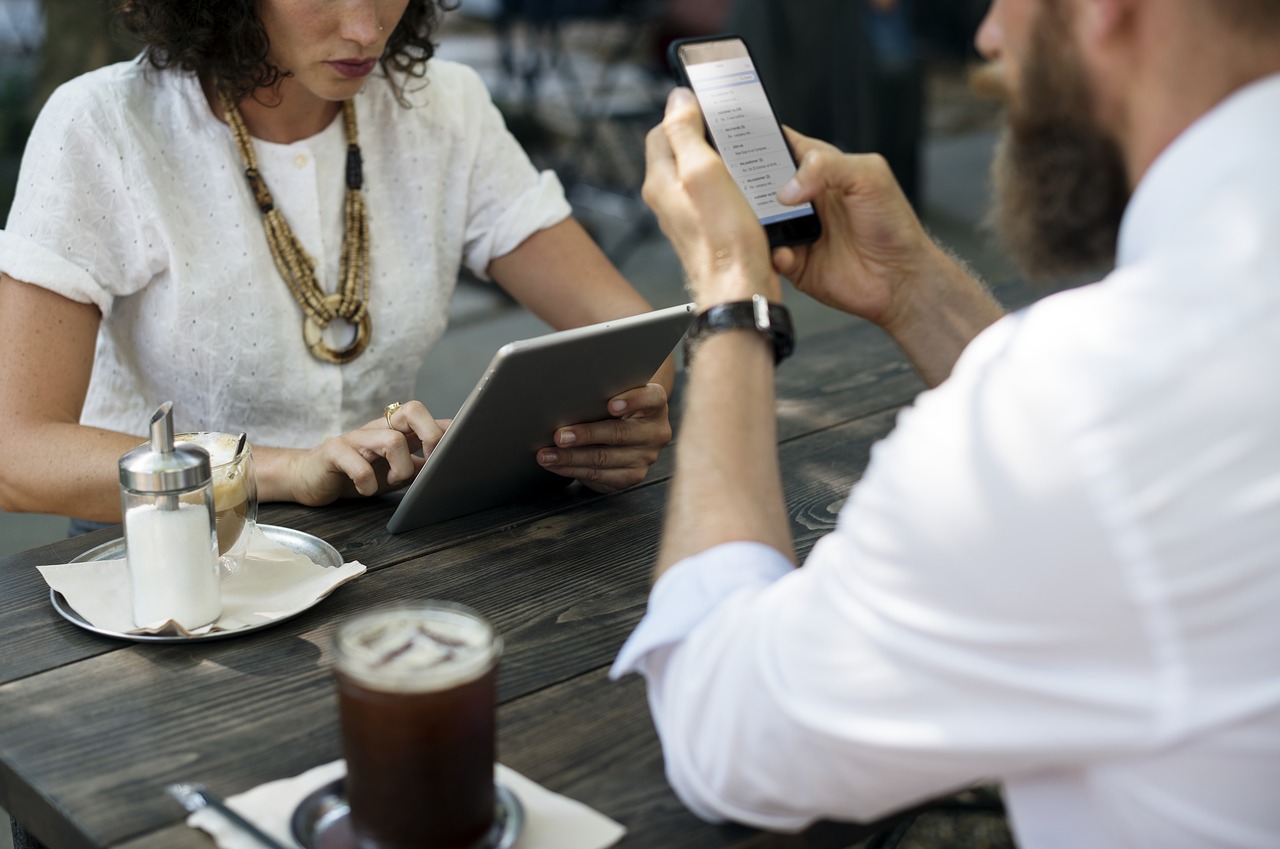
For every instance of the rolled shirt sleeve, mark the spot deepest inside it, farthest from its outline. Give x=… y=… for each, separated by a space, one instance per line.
x=74 y=226
x=687 y=592
x=510 y=199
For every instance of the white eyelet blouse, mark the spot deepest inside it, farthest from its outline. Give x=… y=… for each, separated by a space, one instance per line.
x=132 y=197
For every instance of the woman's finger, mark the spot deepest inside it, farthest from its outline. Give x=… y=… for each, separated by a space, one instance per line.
x=414 y=420
x=603 y=478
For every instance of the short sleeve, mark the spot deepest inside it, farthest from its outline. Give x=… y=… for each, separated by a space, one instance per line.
x=510 y=199
x=74 y=226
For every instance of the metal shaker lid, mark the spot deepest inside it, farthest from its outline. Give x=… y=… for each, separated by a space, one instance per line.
x=161 y=466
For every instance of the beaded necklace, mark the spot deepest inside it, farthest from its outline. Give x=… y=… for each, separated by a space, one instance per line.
x=296 y=267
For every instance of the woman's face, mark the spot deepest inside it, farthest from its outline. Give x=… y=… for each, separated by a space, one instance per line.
x=329 y=46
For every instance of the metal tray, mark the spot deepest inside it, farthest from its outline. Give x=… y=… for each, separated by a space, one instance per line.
x=322 y=820
x=303 y=543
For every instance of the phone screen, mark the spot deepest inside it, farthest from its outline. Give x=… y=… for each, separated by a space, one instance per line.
x=742 y=124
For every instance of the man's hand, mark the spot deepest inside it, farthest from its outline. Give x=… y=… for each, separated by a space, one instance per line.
x=875 y=260
x=872 y=247
x=702 y=211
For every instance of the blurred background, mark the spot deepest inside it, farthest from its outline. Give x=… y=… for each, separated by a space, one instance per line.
x=580 y=82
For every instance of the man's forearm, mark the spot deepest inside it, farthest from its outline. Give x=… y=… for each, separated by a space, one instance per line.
x=947 y=308
x=727 y=485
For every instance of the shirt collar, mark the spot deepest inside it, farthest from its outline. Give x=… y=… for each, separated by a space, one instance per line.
x=1221 y=146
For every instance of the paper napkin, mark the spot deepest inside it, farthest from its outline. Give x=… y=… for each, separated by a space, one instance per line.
x=273 y=582
x=551 y=821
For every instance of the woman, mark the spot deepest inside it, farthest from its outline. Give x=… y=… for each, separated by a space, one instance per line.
x=169 y=211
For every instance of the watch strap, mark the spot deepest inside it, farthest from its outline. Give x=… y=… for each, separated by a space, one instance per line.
x=773 y=321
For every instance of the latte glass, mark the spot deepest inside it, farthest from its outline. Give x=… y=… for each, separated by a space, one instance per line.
x=235 y=492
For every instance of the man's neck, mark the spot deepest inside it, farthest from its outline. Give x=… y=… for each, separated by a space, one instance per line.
x=1184 y=63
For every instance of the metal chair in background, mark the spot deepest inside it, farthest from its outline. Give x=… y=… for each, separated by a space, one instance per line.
x=588 y=91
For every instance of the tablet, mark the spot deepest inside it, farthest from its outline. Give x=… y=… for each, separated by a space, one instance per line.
x=531 y=388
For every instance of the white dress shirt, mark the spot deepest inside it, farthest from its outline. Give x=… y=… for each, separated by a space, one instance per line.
x=1061 y=570
x=132 y=197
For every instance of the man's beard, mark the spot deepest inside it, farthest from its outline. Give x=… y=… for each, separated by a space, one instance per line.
x=1060 y=181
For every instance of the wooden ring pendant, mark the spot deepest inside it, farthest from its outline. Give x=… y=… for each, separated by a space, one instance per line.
x=313 y=335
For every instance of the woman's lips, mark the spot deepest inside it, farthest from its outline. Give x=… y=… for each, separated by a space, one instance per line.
x=353 y=67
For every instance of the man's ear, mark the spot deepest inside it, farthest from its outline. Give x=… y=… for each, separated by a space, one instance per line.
x=1100 y=21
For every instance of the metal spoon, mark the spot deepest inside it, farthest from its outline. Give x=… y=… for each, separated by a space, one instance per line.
x=236 y=456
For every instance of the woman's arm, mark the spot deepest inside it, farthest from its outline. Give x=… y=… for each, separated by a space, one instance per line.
x=561 y=275
x=50 y=462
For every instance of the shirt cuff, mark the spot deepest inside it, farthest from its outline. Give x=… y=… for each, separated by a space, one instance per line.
x=687 y=593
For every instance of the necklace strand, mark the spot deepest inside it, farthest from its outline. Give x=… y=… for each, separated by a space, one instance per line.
x=296 y=267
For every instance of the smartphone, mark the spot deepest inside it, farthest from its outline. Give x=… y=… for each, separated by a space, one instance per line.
x=742 y=126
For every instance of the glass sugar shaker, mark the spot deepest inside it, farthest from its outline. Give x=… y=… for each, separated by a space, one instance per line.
x=171 y=546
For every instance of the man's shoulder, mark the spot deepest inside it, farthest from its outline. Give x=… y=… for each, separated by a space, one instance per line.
x=1087 y=348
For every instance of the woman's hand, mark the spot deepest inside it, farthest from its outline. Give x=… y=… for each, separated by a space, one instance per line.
x=614 y=453
x=378 y=457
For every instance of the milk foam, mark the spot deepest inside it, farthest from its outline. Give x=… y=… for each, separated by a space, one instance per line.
x=228 y=491
x=416 y=649
x=221 y=446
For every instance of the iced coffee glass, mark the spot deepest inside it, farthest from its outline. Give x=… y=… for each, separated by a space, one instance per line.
x=235 y=492
x=416 y=701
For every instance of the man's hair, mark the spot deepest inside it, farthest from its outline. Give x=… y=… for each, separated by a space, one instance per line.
x=225 y=41
x=1248 y=16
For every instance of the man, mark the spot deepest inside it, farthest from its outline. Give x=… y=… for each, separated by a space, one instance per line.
x=1062 y=568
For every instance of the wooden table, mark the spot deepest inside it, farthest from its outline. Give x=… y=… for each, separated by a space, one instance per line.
x=92 y=729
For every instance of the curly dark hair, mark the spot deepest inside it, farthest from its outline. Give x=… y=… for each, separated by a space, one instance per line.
x=225 y=40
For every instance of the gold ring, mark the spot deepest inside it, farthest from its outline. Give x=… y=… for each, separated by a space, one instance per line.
x=388 y=410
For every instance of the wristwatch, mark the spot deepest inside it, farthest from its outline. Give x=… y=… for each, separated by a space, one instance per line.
x=771 y=320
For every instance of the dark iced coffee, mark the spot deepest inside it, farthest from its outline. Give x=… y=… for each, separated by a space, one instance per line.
x=416 y=700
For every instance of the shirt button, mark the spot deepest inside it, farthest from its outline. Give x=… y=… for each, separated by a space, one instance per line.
x=300 y=161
